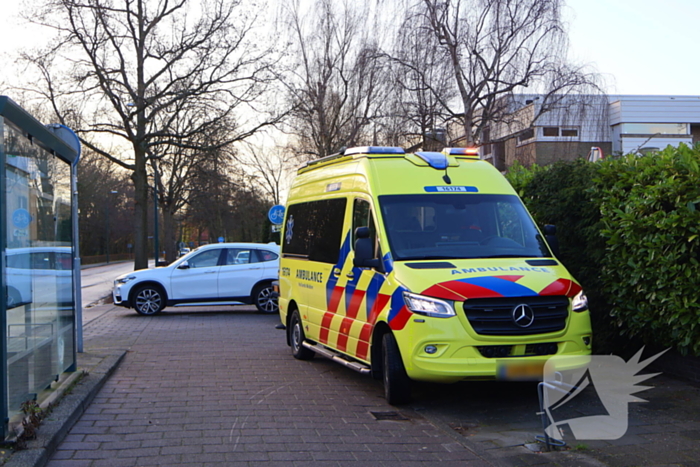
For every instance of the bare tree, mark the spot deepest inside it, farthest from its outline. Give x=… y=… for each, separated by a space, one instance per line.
x=271 y=167
x=421 y=88
x=103 y=206
x=137 y=65
x=337 y=82
x=496 y=48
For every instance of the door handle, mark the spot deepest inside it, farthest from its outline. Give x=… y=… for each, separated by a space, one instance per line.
x=350 y=275
x=336 y=271
x=250 y=269
x=210 y=272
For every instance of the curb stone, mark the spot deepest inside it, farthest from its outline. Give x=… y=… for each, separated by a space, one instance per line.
x=69 y=409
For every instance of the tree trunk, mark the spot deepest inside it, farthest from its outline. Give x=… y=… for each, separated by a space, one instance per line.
x=169 y=238
x=140 y=179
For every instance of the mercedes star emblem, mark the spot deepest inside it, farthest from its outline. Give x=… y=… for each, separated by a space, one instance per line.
x=523 y=315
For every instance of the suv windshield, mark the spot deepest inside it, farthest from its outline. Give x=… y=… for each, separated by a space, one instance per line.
x=464 y=225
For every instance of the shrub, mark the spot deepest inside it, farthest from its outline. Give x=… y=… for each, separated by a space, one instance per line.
x=563 y=195
x=651 y=221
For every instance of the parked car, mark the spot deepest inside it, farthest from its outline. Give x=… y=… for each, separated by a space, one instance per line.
x=41 y=275
x=216 y=273
x=183 y=251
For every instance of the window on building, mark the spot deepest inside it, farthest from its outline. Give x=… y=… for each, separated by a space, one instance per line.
x=555 y=132
x=654 y=128
x=526 y=135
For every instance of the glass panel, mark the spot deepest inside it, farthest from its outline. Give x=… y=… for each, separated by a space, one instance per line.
x=265 y=255
x=39 y=274
x=205 y=259
x=526 y=134
x=654 y=128
x=570 y=132
x=453 y=226
x=362 y=217
x=238 y=256
x=550 y=131
x=314 y=229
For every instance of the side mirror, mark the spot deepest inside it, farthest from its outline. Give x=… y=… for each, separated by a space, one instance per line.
x=184 y=265
x=550 y=234
x=364 y=250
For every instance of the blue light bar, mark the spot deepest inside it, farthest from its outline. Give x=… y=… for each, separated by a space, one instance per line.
x=374 y=150
x=461 y=151
x=436 y=160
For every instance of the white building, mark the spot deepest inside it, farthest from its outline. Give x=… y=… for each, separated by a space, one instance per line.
x=641 y=124
x=541 y=132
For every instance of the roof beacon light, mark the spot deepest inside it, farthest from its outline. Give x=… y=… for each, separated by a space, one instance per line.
x=374 y=150
x=436 y=160
x=472 y=152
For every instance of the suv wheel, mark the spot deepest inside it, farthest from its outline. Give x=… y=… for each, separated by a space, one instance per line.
x=264 y=299
x=148 y=300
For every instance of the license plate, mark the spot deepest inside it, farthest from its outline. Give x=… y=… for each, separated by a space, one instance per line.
x=520 y=371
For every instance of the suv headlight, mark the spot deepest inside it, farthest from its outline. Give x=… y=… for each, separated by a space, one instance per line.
x=579 y=302
x=428 y=306
x=124 y=280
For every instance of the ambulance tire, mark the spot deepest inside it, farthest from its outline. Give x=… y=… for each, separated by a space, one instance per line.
x=397 y=384
x=296 y=338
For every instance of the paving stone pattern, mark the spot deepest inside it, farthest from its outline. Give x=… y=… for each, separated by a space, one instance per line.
x=221 y=388
x=218 y=386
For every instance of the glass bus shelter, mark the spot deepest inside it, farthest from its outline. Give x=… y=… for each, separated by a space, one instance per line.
x=37 y=306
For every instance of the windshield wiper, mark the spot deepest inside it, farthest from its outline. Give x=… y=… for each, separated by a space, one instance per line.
x=508 y=256
x=418 y=258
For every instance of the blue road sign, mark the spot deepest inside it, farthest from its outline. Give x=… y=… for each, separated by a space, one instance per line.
x=21 y=218
x=276 y=214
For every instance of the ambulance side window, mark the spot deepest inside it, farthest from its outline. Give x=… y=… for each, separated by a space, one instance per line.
x=314 y=230
x=362 y=217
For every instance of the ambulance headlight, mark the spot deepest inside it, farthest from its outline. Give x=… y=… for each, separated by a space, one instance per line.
x=428 y=306
x=579 y=302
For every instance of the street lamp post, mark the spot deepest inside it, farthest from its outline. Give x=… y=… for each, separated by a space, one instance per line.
x=109 y=223
x=155 y=212
x=155 y=221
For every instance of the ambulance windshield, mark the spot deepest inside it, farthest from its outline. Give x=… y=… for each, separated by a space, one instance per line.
x=460 y=225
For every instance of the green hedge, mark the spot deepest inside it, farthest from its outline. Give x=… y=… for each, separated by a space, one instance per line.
x=629 y=232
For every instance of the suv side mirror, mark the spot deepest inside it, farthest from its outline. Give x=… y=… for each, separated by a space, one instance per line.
x=550 y=234
x=184 y=265
x=364 y=250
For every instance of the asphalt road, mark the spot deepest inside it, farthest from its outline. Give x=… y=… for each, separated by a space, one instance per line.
x=96 y=286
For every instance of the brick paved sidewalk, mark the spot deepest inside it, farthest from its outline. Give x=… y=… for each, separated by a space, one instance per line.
x=218 y=386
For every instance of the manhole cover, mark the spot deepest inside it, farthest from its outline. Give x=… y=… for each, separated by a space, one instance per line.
x=388 y=416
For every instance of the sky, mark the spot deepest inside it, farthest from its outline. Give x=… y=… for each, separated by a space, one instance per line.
x=639 y=46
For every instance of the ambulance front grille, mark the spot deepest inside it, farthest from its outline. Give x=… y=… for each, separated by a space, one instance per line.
x=494 y=316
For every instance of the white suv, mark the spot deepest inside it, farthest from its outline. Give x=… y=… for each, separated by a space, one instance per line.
x=42 y=275
x=216 y=273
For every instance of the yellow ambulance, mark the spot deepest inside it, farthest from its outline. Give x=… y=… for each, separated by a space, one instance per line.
x=423 y=267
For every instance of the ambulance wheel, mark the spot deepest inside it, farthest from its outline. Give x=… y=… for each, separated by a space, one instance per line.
x=296 y=338
x=397 y=385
